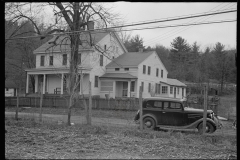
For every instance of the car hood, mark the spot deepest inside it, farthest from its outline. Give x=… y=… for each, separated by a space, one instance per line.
x=188 y=109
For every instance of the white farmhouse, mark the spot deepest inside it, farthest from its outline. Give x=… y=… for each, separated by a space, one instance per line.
x=125 y=74
x=116 y=73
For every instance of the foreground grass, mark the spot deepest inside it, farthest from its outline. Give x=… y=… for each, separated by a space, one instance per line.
x=118 y=114
x=28 y=139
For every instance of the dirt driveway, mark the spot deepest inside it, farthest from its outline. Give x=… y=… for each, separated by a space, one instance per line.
x=226 y=129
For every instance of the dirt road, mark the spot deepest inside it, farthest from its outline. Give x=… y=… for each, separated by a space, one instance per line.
x=226 y=129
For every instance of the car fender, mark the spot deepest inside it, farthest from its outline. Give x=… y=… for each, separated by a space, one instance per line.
x=207 y=120
x=150 y=115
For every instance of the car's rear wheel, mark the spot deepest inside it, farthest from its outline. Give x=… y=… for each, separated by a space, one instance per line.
x=149 y=123
x=209 y=128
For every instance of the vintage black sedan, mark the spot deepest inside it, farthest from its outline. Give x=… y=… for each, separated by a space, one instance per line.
x=171 y=113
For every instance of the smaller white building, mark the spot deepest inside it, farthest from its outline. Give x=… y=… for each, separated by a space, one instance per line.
x=10 y=89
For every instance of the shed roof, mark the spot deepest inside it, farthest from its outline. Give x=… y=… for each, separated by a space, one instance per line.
x=174 y=82
x=129 y=59
x=10 y=84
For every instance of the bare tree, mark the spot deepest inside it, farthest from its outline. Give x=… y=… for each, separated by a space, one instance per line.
x=74 y=16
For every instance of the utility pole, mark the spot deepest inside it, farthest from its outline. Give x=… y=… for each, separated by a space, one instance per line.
x=205 y=109
x=140 y=108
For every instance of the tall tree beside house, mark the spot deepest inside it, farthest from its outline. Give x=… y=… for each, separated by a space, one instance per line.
x=76 y=16
x=221 y=64
x=179 y=44
x=134 y=44
x=163 y=54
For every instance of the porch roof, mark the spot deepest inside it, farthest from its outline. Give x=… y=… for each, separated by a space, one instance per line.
x=54 y=70
x=174 y=82
x=118 y=75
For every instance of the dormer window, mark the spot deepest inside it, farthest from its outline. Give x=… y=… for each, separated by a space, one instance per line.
x=50 y=60
x=42 y=60
x=105 y=47
x=101 y=60
x=117 y=69
x=126 y=69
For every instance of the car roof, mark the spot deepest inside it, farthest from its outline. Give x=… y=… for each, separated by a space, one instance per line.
x=164 y=99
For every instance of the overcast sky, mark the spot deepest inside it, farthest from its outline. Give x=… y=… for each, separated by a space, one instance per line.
x=205 y=35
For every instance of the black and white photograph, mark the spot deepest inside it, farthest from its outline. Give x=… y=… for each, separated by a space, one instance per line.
x=120 y=80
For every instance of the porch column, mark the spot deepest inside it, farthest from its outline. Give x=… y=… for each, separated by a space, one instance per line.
x=36 y=83
x=128 y=93
x=62 y=83
x=44 y=83
x=27 y=83
x=114 y=89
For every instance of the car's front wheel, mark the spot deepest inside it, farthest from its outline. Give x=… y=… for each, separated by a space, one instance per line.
x=209 y=128
x=149 y=123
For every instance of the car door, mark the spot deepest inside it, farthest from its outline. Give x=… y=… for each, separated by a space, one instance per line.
x=173 y=114
x=153 y=107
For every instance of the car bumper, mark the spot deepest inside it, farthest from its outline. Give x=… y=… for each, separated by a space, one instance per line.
x=218 y=123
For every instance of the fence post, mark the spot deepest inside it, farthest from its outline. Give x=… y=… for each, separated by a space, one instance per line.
x=140 y=107
x=16 y=115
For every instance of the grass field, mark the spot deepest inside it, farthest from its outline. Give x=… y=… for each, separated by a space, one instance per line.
x=27 y=138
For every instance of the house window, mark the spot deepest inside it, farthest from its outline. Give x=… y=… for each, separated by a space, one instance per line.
x=117 y=69
x=142 y=86
x=105 y=47
x=157 y=88
x=6 y=89
x=149 y=87
x=126 y=69
x=171 y=90
x=144 y=69
x=162 y=73
x=164 y=89
x=149 y=70
x=157 y=70
x=101 y=60
x=132 y=86
x=50 y=60
x=64 y=62
x=178 y=90
x=106 y=86
x=96 y=81
x=42 y=60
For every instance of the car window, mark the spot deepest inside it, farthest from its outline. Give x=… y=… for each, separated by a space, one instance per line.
x=165 y=105
x=174 y=105
x=158 y=104
x=149 y=104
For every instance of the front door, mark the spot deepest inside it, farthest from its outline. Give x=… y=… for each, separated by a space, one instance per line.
x=125 y=89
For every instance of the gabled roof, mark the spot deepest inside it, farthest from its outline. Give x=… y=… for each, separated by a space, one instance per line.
x=10 y=84
x=118 y=75
x=174 y=82
x=129 y=59
x=63 y=42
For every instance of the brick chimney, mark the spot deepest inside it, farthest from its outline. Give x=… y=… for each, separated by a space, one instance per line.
x=90 y=25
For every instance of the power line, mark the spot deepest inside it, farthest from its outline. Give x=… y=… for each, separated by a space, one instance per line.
x=222 y=12
x=187 y=24
x=154 y=39
x=178 y=30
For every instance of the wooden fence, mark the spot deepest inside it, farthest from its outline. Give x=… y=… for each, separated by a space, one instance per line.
x=59 y=102
x=97 y=103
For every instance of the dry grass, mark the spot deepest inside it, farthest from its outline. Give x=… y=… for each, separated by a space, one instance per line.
x=27 y=138
x=227 y=106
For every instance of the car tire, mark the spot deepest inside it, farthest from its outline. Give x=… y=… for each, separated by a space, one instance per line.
x=149 y=123
x=209 y=128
